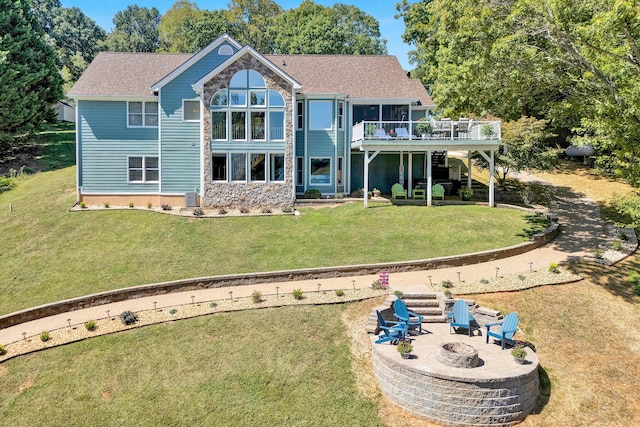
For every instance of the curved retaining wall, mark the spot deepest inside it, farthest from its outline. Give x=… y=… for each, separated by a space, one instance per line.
x=45 y=310
x=457 y=401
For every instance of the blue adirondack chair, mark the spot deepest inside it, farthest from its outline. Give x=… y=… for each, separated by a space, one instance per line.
x=405 y=316
x=460 y=316
x=508 y=328
x=390 y=331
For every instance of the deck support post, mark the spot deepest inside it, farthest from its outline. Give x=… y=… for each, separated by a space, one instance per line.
x=367 y=160
x=429 y=179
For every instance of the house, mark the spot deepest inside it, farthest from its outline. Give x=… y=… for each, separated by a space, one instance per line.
x=230 y=127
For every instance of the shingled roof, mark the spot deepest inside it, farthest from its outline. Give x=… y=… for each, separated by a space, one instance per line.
x=357 y=76
x=113 y=74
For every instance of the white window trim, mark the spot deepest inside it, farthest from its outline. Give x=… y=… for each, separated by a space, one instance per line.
x=300 y=161
x=226 y=157
x=247 y=128
x=330 y=171
x=247 y=171
x=144 y=170
x=183 y=110
x=340 y=115
x=284 y=121
x=270 y=166
x=340 y=168
x=266 y=167
x=226 y=112
x=299 y=114
x=144 y=116
x=319 y=101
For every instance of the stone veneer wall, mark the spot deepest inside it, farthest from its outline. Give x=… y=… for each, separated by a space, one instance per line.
x=248 y=194
x=457 y=401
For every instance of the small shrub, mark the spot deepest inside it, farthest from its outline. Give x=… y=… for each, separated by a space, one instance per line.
x=616 y=245
x=198 y=212
x=83 y=205
x=339 y=196
x=376 y=285
x=266 y=210
x=554 y=268
x=521 y=277
x=287 y=209
x=44 y=336
x=173 y=311
x=634 y=281
x=165 y=207
x=3 y=350
x=598 y=254
x=623 y=236
x=297 y=293
x=484 y=281
x=130 y=204
x=222 y=211
x=245 y=210
x=404 y=346
x=213 y=305
x=339 y=293
x=519 y=352
x=90 y=325
x=312 y=193
x=447 y=284
x=128 y=317
x=447 y=293
x=398 y=293
x=106 y=205
x=256 y=296
x=149 y=205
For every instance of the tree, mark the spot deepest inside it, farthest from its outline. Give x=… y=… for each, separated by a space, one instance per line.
x=136 y=30
x=253 y=19
x=525 y=147
x=315 y=29
x=29 y=80
x=197 y=32
x=170 y=29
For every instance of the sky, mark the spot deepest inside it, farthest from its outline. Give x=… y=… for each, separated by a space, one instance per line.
x=103 y=11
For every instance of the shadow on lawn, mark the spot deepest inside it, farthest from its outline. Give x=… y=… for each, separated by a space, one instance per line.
x=615 y=279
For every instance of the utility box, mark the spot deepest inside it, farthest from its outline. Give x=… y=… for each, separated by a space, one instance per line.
x=191 y=199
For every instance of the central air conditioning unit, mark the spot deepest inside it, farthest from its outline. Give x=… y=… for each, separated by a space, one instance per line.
x=191 y=199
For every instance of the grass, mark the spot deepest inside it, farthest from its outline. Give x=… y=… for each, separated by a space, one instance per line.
x=50 y=253
x=196 y=372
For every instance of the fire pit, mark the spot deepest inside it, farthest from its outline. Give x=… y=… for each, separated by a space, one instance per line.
x=458 y=355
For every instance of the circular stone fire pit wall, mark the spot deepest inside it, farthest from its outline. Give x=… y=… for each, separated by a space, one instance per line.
x=455 y=399
x=458 y=355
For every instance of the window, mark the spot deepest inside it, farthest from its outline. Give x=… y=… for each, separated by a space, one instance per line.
x=238 y=125
x=225 y=50
x=275 y=99
x=219 y=99
x=238 y=167
x=258 y=98
x=276 y=165
x=276 y=125
x=218 y=167
x=219 y=125
x=258 y=167
x=320 y=170
x=238 y=98
x=320 y=115
x=299 y=116
x=142 y=114
x=340 y=115
x=143 y=169
x=339 y=172
x=257 y=125
x=190 y=111
x=299 y=171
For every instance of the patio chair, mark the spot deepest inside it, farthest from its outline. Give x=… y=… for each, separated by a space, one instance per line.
x=397 y=190
x=437 y=191
x=405 y=316
x=508 y=328
x=464 y=128
x=402 y=133
x=380 y=134
x=390 y=331
x=460 y=316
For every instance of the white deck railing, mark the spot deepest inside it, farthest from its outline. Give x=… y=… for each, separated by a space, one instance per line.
x=426 y=130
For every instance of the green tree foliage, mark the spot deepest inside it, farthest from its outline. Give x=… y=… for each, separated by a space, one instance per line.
x=136 y=30
x=170 y=28
x=575 y=63
x=526 y=143
x=29 y=80
x=315 y=29
x=254 y=18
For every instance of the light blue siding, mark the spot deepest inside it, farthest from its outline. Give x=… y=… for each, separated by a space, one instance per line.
x=105 y=144
x=180 y=148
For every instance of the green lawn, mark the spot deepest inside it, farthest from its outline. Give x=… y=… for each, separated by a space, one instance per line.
x=50 y=253
x=229 y=369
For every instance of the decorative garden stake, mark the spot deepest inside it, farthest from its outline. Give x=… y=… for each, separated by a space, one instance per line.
x=155 y=304
x=69 y=322
x=353 y=282
x=497 y=269
x=277 y=291
x=430 y=282
x=108 y=315
x=24 y=336
x=231 y=295
x=193 y=299
x=459 y=281
x=530 y=267
x=319 y=287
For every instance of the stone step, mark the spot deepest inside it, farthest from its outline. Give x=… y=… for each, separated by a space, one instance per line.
x=421 y=302
x=411 y=295
x=434 y=319
x=436 y=311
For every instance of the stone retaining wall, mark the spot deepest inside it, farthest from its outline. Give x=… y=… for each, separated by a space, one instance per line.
x=457 y=401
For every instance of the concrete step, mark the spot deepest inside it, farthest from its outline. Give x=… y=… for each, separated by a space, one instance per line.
x=411 y=295
x=426 y=311
x=421 y=303
x=434 y=319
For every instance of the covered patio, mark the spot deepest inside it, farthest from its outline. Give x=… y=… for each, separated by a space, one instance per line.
x=427 y=137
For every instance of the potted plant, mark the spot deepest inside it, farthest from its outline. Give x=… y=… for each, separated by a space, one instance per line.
x=376 y=192
x=370 y=130
x=487 y=131
x=405 y=348
x=424 y=127
x=465 y=193
x=519 y=354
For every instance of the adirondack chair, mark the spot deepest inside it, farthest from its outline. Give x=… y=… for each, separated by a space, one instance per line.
x=398 y=191
x=508 y=328
x=437 y=191
x=460 y=316
x=402 y=133
x=390 y=330
x=405 y=316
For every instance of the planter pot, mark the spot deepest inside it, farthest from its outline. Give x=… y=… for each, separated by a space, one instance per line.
x=466 y=198
x=519 y=360
x=406 y=355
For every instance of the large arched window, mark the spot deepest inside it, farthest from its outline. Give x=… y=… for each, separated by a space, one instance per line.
x=247 y=110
